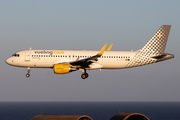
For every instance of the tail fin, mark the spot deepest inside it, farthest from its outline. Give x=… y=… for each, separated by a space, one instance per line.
x=154 y=49
x=156 y=45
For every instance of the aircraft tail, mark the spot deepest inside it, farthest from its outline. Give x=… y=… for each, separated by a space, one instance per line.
x=154 y=49
x=156 y=45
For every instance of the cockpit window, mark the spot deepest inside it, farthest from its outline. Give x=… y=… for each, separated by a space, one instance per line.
x=16 y=55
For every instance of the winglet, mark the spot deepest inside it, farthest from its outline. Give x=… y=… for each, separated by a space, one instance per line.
x=102 y=50
x=110 y=47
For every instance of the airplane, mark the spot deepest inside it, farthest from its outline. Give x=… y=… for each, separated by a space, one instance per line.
x=66 y=61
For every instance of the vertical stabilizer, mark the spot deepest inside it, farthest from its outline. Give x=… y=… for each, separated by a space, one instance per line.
x=153 y=50
x=156 y=45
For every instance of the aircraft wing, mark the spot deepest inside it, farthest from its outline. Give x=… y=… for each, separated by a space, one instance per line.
x=84 y=63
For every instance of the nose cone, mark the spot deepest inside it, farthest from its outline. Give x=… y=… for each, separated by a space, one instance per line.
x=9 y=61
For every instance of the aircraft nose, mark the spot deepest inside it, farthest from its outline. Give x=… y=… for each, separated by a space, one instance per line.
x=9 y=61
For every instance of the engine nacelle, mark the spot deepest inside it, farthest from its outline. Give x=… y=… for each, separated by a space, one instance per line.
x=62 y=68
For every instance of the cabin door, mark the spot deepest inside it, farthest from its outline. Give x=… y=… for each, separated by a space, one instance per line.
x=27 y=56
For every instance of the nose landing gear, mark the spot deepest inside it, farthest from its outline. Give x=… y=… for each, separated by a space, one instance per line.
x=28 y=71
x=27 y=75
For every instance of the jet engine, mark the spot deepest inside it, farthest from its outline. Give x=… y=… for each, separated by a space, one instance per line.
x=62 y=68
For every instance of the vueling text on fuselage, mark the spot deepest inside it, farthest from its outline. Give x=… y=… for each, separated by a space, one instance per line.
x=49 y=52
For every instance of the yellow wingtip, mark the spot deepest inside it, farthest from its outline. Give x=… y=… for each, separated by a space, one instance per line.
x=110 y=47
x=103 y=49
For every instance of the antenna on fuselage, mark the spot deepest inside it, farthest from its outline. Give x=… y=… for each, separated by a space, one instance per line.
x=30 y=48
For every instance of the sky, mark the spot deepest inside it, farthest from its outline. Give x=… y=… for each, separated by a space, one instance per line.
x=88 y=25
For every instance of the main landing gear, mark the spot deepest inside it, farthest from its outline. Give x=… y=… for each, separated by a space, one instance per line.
x=28 y=71
x=84 y=75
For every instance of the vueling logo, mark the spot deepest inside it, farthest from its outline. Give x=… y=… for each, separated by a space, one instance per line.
x=48 y=52
x=43 y=52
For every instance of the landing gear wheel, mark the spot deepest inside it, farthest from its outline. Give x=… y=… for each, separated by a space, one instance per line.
x=27 y=75
x=84 y=76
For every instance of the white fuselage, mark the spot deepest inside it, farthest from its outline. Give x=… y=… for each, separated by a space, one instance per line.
x=47 y=58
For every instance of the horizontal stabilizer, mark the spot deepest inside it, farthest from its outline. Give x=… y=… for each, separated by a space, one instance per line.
x=164 y=56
